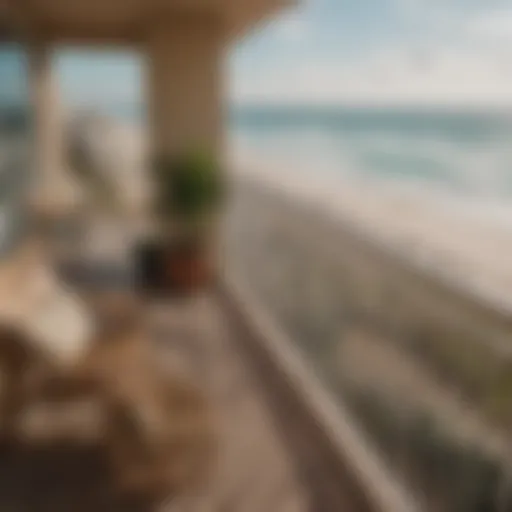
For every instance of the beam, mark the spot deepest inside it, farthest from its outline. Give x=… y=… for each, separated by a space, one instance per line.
x=81 y=34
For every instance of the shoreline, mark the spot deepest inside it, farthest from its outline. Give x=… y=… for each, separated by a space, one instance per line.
x=467 y=253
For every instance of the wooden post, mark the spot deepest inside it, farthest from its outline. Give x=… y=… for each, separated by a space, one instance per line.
x=185 y=93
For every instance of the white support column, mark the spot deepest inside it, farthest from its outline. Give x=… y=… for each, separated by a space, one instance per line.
x=185 y=93
x=48 y=130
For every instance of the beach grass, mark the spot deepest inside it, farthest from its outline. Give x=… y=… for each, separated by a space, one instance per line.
x=321 y=288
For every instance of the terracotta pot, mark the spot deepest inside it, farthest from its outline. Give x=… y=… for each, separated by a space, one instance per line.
x=188 y=267
x=174 y=268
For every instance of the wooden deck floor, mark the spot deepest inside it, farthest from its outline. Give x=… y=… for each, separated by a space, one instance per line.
x=254 y=471
x=271 y=456
x=274 y=455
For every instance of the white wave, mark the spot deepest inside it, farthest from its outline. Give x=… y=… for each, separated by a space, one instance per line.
x=464 y=237
x=483 y=169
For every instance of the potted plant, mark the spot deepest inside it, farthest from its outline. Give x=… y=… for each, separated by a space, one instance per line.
x=188 y=194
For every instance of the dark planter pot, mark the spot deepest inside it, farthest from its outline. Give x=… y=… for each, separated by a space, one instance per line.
x=149 y=258
x=174 y=268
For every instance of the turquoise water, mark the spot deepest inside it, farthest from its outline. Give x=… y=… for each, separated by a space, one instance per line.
x=468 y=154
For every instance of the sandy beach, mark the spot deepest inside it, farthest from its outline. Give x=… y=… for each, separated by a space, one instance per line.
x=471 y=250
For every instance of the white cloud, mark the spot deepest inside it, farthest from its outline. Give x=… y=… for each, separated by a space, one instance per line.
x=492 y=25
x=450 y=53
x=293 y=28
x=395 y=76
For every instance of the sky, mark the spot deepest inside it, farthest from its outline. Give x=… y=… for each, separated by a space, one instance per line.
x=422 y=52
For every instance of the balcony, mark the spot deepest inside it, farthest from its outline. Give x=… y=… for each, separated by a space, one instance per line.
x=340 y=374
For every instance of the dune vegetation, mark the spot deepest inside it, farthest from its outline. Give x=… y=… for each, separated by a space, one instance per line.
x=426 y=372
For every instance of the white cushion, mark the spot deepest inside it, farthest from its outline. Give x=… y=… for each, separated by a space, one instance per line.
x=33 y=301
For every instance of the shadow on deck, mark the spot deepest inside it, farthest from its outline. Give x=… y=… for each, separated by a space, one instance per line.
x=274 y=456
x=59 y=480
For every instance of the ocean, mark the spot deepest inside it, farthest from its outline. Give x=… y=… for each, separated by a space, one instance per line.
x=465 y=154
x=459 y=159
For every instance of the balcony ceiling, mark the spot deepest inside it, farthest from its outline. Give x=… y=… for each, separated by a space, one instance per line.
x=127 y=21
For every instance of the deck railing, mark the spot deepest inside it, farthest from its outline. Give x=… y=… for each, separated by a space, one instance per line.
x=348 y=475
x=422 y=367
